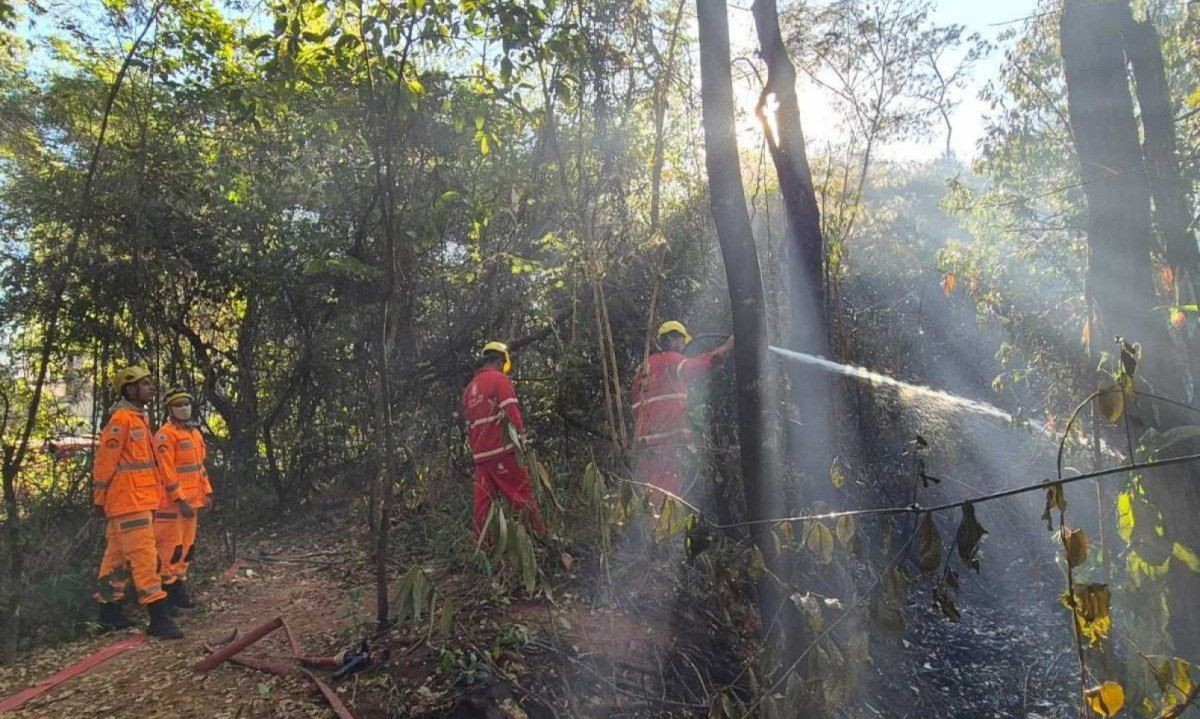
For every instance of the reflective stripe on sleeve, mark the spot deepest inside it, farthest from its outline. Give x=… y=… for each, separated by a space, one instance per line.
x=507 y=402
x=188 y=468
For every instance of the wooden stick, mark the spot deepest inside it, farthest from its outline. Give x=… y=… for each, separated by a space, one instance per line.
x=211 y=661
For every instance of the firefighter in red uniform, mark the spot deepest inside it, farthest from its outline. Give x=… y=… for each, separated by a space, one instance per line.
x=661 y=427
x=496 y=433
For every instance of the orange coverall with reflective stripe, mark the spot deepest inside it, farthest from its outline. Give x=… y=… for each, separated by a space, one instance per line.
x=181 y=454
x=128 y=485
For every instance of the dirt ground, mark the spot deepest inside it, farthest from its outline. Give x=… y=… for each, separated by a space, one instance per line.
x=156 y=679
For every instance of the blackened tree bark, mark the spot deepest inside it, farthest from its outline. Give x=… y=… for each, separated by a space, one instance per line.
x=786 y=145
x=727 y=198
x=809 y=390
x=1167 y=187
x=1171 y=193
x=1120 y=240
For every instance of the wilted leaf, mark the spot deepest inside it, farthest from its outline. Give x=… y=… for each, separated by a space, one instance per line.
x=1090 y=605
x=1166 y=279
x=930 y=552
x=945 y=603
x=1055 y=499
x=810 y=606
x=1075 y=545
x=1187 y=556
x=567 y=560
x=837 y=477
x=446 y=622
x=671 y=521
x=967 y=538
x=1110 y=403
x=845 y=530
x=1131 y=352
x=819 y=540
x=1106 y=699
x=1125 y=518
x=949 y=282
x=528 y=562
x=757 y=566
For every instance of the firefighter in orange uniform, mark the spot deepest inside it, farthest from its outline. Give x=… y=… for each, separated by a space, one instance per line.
x=180 y=450
x=127 y=487
x=661 y=426
x=495 y=433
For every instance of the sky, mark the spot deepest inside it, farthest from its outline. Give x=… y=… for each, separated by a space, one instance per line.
x=989 y=18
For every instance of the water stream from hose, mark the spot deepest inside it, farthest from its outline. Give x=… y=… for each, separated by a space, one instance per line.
x=938 y=400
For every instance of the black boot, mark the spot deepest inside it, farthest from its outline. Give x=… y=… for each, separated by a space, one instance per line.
x=110 y=616
x=178 y=594
x=161 y=624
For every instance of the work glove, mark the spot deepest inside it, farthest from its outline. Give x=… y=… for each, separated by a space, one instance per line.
x=185 y=509
x=208 y=502
x=97 y=511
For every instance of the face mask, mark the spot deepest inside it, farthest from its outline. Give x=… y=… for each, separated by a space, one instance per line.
x=182 y=412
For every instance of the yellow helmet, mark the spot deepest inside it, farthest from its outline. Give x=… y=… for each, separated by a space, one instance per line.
x=502 y=349
x=176 y=393
x=674 y=326
x=127 y=376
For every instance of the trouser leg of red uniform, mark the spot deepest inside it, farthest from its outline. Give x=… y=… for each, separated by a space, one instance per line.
x=505 y=477
x=168 y=538
x=130 y=553
x=662 y=467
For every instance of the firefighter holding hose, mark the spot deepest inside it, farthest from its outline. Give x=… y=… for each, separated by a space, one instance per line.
x=662 y=429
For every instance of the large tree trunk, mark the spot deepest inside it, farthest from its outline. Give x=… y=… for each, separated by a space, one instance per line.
x=810 y=390
x=728 y=202
x=1171 y=193
x=1119 y=268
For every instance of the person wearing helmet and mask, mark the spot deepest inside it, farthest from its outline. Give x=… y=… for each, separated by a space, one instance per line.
x=127 y=488
x=181 y=452
x=495 y=432
x=661 y=426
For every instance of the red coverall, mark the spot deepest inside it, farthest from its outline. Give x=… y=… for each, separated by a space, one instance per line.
x=661 y=427
x=488 y=402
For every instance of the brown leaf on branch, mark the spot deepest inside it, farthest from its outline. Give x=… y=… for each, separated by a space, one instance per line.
x=930 y=552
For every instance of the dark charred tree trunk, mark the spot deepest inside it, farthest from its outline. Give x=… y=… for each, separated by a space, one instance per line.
x=786 y=145
x=809 y=390
x=1120 y=241
x=728 y=202
x=1170 y=192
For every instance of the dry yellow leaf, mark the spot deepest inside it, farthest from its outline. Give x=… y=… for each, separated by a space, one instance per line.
x=1106 y=699
x=1074 y=545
